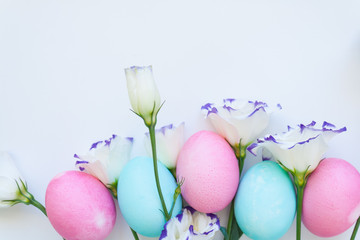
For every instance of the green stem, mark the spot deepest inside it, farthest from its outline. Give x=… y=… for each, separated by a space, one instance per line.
x=230 y=221
x=353 y=235
x=38 y=205
x=300 y=195
x=240 y=152
x=27 y=197
x=153 y=147
x=136 y=237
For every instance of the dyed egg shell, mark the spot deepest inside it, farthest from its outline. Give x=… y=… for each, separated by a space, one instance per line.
x=210 y=171
x=331 y=202
x=138 y=196
x=265 y=203
x=79 y=206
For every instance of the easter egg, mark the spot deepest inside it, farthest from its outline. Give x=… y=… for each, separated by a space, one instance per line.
x=138 y=196
x=79 y=206
x=265 y=203
x=331 y=202
x=210 y=171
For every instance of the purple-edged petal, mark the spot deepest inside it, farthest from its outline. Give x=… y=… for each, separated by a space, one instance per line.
x=229 y=100
x=190 y=209
x=94 y=145
x=299 y=149
x=81 y=162
x=238 y=121
x=106 y=158
x=169 y=141
x=191 y=225
x=251 y=148
x=228 y=108
x=207 y=106
x=257 y=109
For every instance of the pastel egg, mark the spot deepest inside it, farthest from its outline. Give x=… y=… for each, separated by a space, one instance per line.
x=210 y=171
x=79 y=206
x=331 y=202
x=265 y=203
x=138 y=196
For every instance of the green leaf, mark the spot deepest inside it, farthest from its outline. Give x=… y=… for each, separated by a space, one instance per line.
x=223 y=231
x=236 y=232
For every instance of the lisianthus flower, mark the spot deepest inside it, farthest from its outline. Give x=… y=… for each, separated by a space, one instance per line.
x=191 y=225
x=10 y=182
x=143 y=93
x=300 y=149
x=169 y=141
x=106 y=159
x=146 y=103
x=13 y=189
x=238 y=121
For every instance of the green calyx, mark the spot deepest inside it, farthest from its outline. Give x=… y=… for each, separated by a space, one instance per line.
x=113 y=188
x=176 y=195
x=22 y=196
x=25 y=197
x=151 y=118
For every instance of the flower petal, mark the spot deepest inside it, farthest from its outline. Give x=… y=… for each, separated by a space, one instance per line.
x=106 y=159
x=169 y=141
x=191 y=225
x=238 y=121
x=7 y=167
x=225 y=129
x=299 y=149
x=143 y=93
x=8 y=191
x=9 y=174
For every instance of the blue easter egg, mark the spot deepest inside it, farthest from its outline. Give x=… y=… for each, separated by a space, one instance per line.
x=138 y=196
x=265 y=203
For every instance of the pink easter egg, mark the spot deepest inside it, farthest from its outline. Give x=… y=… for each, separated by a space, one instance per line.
x=79 y=206
x=331 y=198
x=210 y=171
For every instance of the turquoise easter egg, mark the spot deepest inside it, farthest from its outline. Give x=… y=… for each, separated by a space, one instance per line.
x=138 y=196
x=265 y=203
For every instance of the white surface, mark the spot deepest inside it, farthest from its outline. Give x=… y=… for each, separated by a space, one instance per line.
x=62 y=85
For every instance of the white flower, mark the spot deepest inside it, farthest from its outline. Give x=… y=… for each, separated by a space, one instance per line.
x=106 y=159
x=191 y=225
x=299 y=150
x=11 y=183
x=143 y=93
x=239 y=122
x=169 y=141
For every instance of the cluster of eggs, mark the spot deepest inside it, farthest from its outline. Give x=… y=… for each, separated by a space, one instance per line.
x=80 y=207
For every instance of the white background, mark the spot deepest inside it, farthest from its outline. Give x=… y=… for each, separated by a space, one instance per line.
x=62 y=84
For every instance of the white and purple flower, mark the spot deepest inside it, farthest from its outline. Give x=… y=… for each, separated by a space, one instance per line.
x=106 y=159
x=239 y=122
x=143 y=93
x=169 y=141
x=191 y=225
x=300 y=149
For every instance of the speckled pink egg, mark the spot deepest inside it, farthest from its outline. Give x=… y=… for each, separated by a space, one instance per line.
x=79 y=206
x=210 y=171
x=331 y=198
